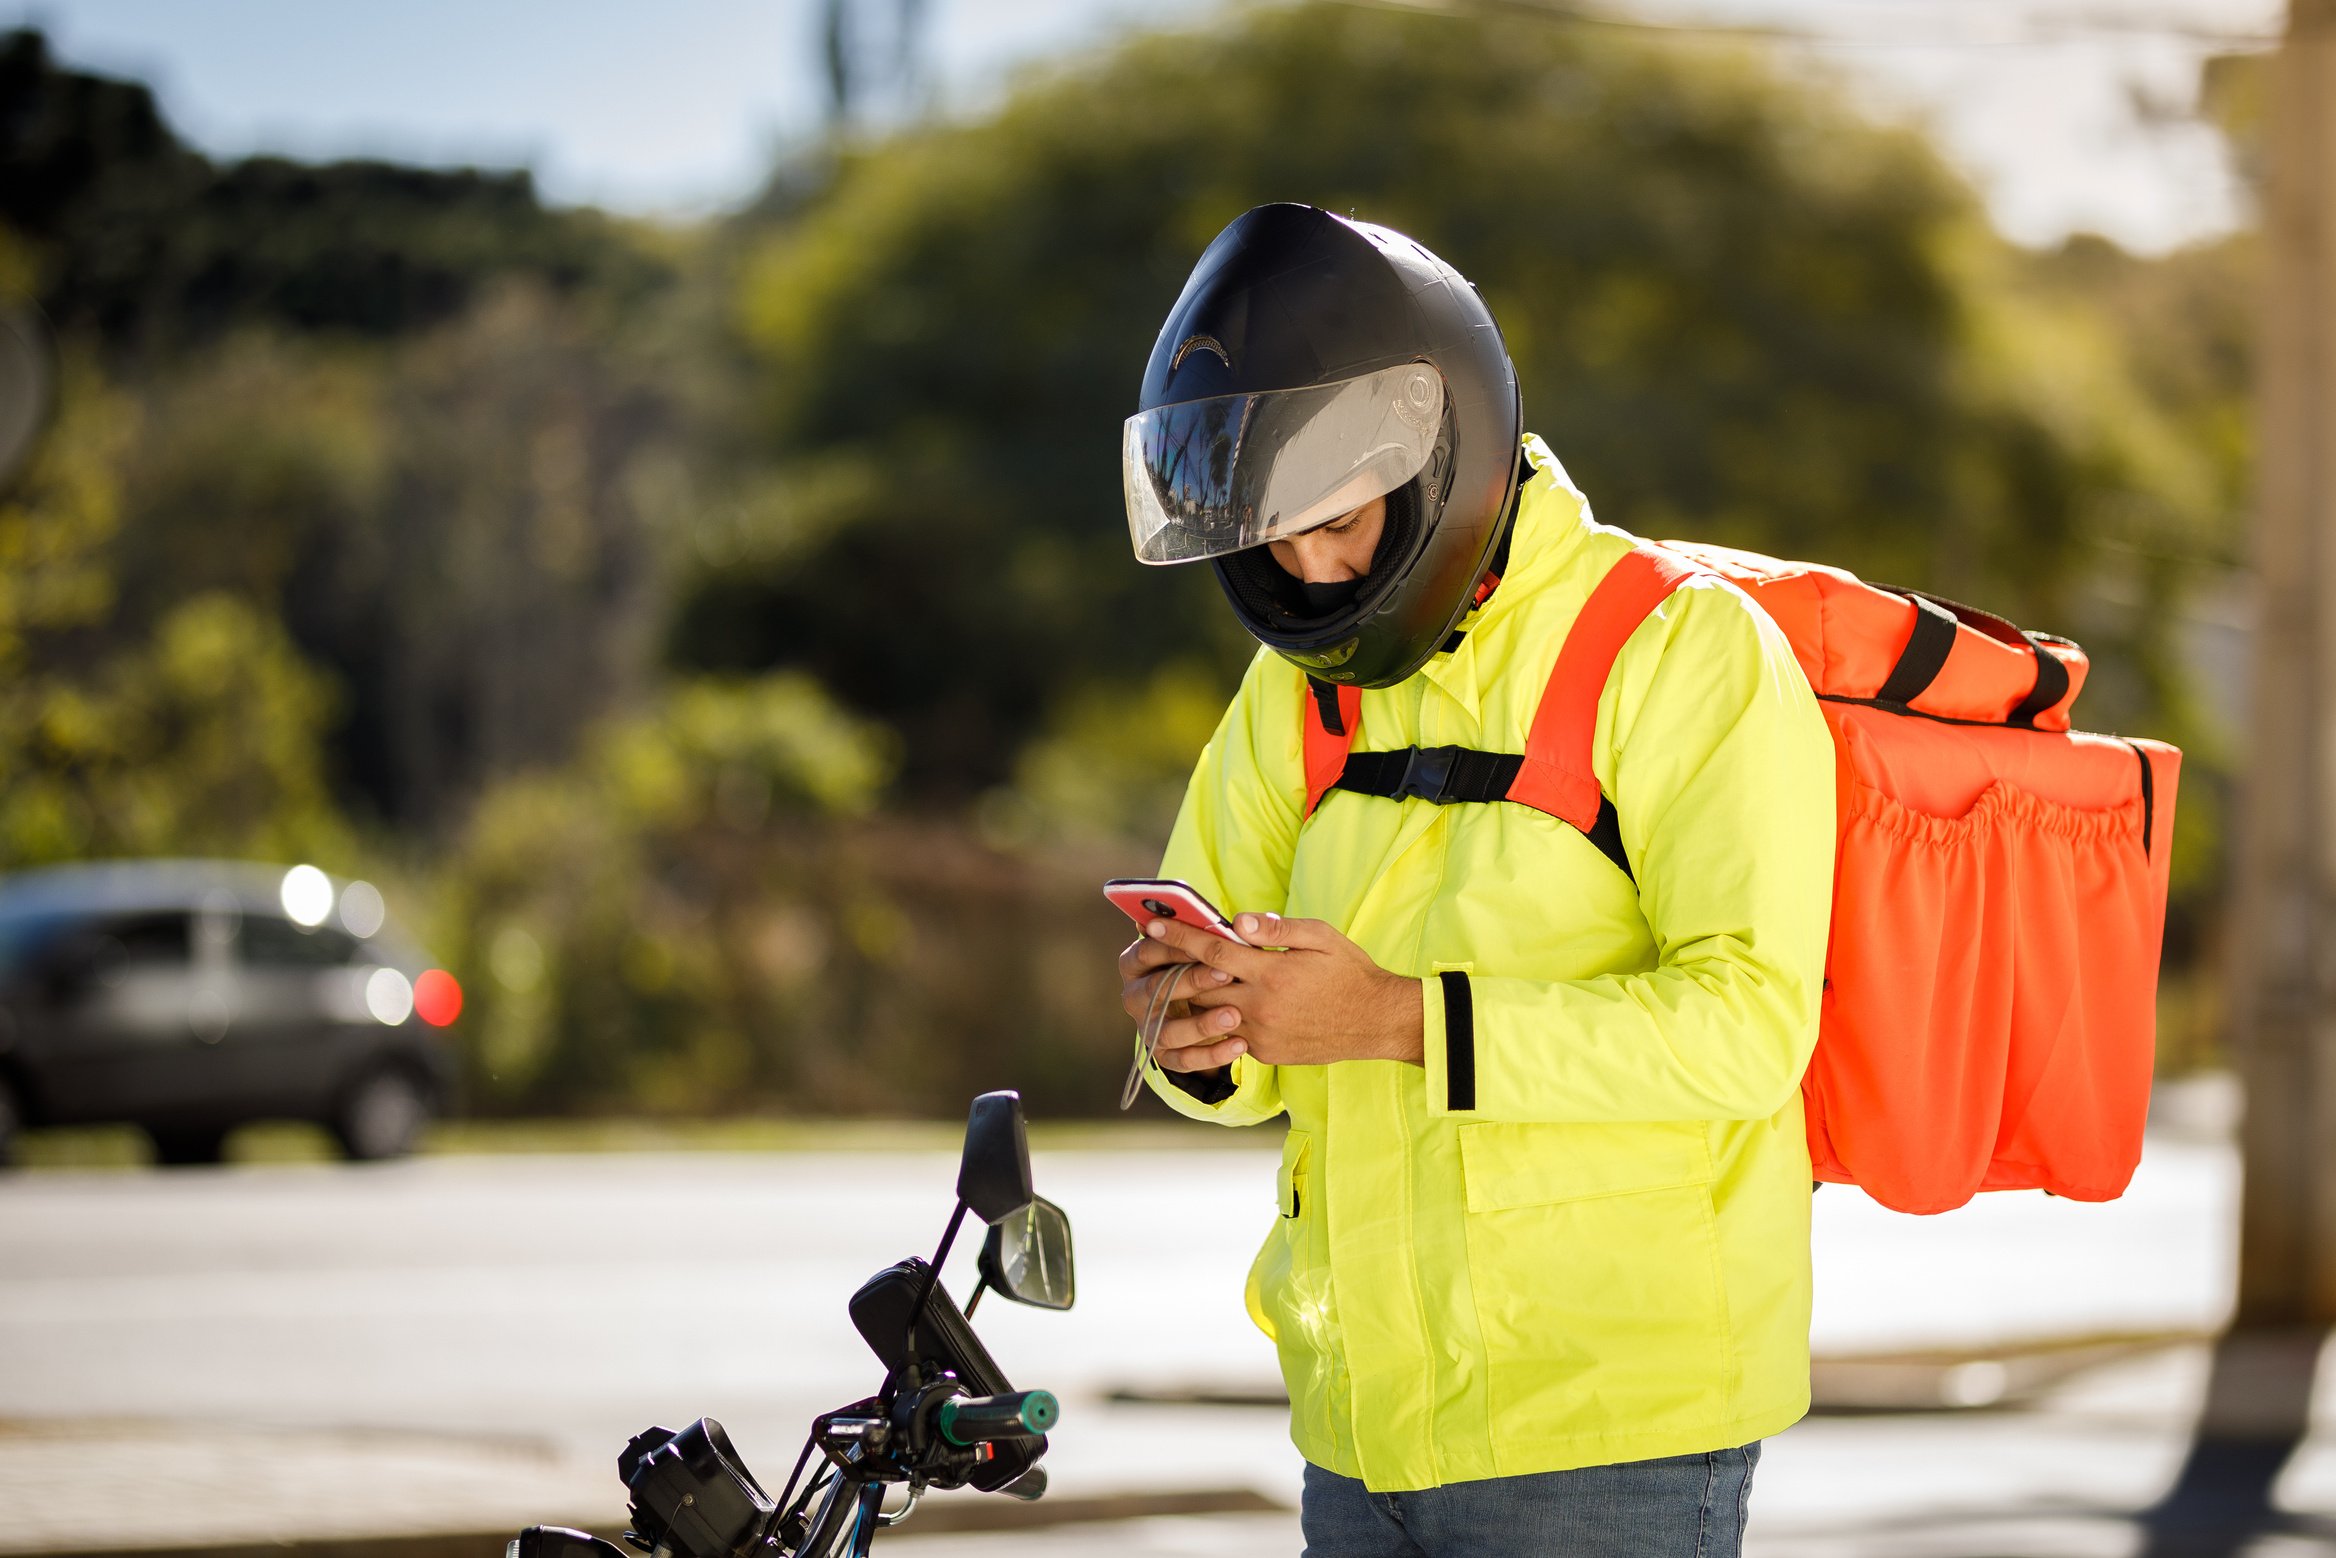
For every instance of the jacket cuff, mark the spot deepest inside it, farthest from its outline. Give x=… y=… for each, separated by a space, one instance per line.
x=1248 y=1095
x=1210 y=1087
x=1448 y=1041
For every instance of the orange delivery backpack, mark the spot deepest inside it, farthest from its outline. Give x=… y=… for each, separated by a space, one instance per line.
x=1999 y=890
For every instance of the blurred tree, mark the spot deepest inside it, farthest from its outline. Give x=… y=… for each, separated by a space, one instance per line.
x=636 y=925
x=402 y=485
x=505 y=588
x=708 y=912
x=464 y=527
x=1741 y=312
x=203 y=737
x=149 y=243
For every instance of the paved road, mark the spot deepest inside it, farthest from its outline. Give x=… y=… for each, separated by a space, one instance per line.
x=460 y=1343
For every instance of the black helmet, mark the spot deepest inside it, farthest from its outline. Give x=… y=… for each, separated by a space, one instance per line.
x=1311 y=365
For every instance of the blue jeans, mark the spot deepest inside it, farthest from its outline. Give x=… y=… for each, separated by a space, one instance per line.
x=1683 y=1506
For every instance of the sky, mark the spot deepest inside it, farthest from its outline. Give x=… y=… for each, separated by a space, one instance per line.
x=2068 y=114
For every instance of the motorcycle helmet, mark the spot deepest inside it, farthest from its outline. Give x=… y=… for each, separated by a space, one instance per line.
x=1312 y=364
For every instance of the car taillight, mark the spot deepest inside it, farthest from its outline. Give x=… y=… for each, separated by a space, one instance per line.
x=437 y=998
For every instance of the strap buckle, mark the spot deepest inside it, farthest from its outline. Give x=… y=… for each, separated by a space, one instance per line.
x=1427 y=775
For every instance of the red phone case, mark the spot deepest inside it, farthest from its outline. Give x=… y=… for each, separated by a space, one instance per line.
x=1147 y=898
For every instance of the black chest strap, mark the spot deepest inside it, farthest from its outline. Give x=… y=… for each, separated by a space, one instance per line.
x=1446 y=775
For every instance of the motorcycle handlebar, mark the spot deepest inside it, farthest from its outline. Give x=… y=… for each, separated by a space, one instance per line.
x=1018 y=1414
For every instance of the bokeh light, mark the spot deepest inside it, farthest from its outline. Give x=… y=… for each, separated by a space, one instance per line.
x=437 y=998
x=362 y=911
x=308 y=895
x=389 y=996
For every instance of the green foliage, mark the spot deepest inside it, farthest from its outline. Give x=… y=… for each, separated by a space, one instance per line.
x=711 y=911
x=204 y=737
x=1741 y=314
x=625 y=923
x=279 y=444
x=731 y=633
x=1113 y=766
x=465 y=528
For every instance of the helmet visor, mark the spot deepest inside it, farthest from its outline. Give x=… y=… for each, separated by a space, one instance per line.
x=1208 y=477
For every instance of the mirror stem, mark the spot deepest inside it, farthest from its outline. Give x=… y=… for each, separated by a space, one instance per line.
x=974 y=1302
x=933 y=1278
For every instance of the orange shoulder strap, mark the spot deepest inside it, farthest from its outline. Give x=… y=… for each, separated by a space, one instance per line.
x=1557 y=776
x=1330 y=735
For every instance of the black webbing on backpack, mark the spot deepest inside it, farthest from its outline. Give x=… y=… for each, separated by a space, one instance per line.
x=2149 y=797
x=1445 y=775
x=1924 y=656
x=2051 y=684
x=1326 y=701
x=1606 y=833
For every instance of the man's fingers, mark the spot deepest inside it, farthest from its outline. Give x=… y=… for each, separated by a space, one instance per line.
x=1200 y=946
x=1196 y=1029
x=1135 y=996
x=1199 y=1027
x=1203 y=1057
x=1144 y=954
x=1274 y=930
x=1214 y=990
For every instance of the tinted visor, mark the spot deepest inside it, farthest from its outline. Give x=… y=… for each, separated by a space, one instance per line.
x=1208 y=477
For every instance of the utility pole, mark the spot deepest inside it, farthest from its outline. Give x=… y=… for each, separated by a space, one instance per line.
x=2284 y=968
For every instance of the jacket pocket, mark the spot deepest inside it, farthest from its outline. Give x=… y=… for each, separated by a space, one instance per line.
x=1593 y=1256
x=1509 y=1165
x=1269 y=1273
x=1289 y=1297
x=1297 y=1159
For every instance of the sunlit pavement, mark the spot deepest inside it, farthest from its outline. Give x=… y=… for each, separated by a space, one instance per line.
x=463 y=1344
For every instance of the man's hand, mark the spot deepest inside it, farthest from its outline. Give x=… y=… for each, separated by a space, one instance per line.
x=1306 y=997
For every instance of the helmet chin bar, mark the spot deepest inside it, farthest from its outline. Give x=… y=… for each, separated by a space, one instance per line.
x=1266 y=596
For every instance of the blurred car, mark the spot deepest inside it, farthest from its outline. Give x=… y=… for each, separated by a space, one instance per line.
x=192 y=996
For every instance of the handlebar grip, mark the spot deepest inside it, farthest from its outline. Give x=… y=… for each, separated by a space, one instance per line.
x=1019 y=1414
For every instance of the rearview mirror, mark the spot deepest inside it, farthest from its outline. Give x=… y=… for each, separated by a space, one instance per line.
x=993 y=1177
x=1027 y=1257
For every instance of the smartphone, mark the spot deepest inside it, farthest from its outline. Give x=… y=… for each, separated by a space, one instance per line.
x=1144 y=899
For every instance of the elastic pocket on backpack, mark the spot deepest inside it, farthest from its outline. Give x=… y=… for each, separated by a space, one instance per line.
x=1992 y=979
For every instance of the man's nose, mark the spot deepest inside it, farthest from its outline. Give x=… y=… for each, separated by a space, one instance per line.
x=1318 y=560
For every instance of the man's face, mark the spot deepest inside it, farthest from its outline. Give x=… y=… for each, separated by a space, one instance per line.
x=1339 y=550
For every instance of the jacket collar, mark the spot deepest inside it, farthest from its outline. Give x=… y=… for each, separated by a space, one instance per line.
x=1552 y=518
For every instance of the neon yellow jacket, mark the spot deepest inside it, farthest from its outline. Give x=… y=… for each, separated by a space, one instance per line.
x=1607 y=1258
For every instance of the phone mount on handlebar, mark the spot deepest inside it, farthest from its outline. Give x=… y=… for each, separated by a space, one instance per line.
x=945 y=1416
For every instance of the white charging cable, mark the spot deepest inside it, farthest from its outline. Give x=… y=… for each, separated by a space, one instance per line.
x=1148 y=1033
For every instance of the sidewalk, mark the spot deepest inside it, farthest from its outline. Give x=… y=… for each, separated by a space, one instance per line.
x=2075 y=1472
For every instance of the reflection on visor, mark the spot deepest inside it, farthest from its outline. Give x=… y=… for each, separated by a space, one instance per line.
x=1209 y=477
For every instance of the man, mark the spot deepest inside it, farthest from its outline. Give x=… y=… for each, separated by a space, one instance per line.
x=1541 y=1278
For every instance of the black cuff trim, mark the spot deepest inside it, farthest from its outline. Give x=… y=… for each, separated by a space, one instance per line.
x=1459 y=1041
x=1210 y=1087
